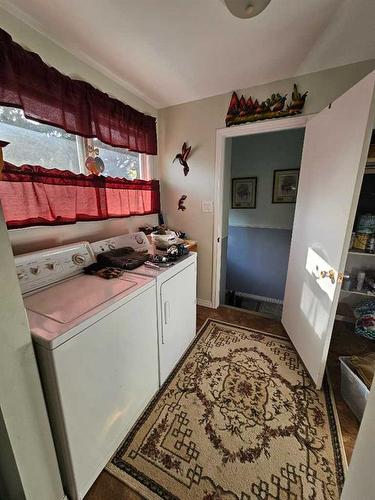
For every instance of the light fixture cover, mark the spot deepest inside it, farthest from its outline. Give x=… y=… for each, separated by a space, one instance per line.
x=244 y=9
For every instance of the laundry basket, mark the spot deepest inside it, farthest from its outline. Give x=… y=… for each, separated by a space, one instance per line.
x=353 y=389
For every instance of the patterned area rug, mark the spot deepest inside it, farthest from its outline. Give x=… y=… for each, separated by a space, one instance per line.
x=238 y=419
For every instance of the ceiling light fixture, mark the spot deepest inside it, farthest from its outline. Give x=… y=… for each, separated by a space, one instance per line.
x=244 y=9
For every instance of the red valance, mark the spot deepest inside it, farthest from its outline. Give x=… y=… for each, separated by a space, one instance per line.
x=48 y=96
x=31 y=195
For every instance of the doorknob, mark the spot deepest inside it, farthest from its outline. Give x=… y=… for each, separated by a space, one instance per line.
x=328 y=274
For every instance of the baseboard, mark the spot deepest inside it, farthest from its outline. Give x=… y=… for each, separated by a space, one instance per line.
x=259 y=297
x=204 y=303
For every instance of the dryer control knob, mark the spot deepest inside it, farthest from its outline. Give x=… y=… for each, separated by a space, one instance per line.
x=34 y=270
x=78 y=259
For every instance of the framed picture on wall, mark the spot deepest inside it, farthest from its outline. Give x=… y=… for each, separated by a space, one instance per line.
x=285 y=185
x=244 y=192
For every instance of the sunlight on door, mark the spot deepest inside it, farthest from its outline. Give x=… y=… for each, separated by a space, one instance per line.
x=311 y=301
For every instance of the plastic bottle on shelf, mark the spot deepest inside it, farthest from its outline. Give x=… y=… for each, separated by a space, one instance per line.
x=360 y=280
x=370 y=245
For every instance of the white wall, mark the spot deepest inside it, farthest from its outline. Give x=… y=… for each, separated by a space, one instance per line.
x=39 y=237
x=33 y=466
x=196 y=122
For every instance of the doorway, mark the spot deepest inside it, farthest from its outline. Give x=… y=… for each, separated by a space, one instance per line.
x=264 y=170
x=225 y=138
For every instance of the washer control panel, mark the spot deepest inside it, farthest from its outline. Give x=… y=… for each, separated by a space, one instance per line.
x=42 y=268
x=138 y=241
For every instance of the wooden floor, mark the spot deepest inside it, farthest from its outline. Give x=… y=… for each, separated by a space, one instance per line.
x=344 y=342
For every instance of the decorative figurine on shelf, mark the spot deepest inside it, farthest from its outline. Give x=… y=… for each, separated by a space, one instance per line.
x=242 y=110
x=298 y=100
x=94 y=163
x=183 y=156
x=2 y=145
x=181 y=201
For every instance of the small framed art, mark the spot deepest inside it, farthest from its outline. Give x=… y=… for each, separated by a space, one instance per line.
x=285 y=185
x=244 y=192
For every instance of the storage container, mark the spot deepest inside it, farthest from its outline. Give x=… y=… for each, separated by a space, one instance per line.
x=353 y=389
x=366 y=224
x=360 y=241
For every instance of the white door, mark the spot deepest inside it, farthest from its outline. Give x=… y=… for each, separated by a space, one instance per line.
x=178 y=316
x=333 y=161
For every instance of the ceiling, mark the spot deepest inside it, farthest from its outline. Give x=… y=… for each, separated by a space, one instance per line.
x=173 y=51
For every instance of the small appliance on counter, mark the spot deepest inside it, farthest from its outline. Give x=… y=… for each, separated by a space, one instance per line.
x=168 y=258
x=164 y=238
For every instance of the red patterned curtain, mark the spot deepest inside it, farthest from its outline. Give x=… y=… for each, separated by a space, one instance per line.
x=48 y=96
x=31 y=195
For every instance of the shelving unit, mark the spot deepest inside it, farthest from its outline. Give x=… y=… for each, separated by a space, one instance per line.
x=357 y=292
x=345 y=313
x=361 y=253
x=359 y=260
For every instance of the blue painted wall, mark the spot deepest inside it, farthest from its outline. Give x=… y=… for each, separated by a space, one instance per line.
x=259 y=239
x=257 y=260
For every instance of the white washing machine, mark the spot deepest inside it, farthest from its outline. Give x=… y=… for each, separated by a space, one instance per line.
x=175 y=297
x=97 y=351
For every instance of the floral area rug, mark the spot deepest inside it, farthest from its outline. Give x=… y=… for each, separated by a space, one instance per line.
x=238 y=419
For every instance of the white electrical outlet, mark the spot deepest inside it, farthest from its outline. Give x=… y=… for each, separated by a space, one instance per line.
x=207 y=206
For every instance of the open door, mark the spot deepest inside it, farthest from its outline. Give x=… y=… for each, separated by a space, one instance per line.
x=333 y=161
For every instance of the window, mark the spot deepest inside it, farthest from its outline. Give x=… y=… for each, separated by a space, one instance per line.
x=37 y=144
x=120 y=163
x=34 y=143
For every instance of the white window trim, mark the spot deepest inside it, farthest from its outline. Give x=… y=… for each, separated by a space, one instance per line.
x=146 y=167
x=81 y=143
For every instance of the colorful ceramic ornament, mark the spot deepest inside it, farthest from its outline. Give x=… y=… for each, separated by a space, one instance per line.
x=94 y=163
x=242 y=110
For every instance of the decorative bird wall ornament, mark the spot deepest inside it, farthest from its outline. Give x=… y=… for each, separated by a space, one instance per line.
x=181 y=201
x=183 y=156
x=298 y=99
